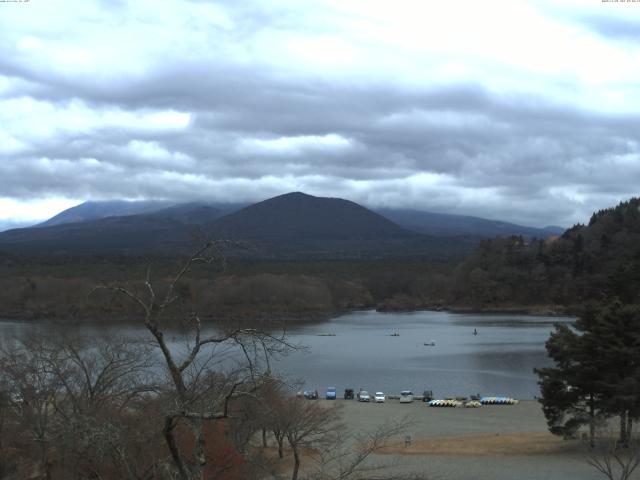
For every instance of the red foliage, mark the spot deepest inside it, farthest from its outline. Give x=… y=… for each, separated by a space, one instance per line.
x=224 y=462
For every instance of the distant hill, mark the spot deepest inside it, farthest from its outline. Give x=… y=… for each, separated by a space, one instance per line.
x=200 y=213
x=448 y=225
x=196 y=213
x=175 y=228
x=297 y=225
x=9 y=224
x=134 y=234
x=96 y=210
x=305 y=217
x=188 y=213
x=294 y=225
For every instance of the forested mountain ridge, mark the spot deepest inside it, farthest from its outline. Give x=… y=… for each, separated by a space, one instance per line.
x=89 y=211
x=199 y=213
x=586 y=263
x=289 y=226
x=448 y=225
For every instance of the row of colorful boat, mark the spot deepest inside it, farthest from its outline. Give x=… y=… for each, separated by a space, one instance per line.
x=445 y=403
x=452 y=403
x=498 y=401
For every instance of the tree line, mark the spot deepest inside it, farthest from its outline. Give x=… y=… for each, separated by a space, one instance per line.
x=587 y=263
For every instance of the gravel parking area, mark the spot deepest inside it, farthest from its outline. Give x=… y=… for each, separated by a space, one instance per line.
x=491 y=442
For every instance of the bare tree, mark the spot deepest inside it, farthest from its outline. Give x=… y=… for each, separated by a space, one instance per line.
x=6 y=460
x=32 y=392
x=98 y=373
x=319 y=433
x=71 y=399
x=305 y=425
x=104 y=381
x=348 y=456
x=272 y=412
x=199 y=393
x=612 y=458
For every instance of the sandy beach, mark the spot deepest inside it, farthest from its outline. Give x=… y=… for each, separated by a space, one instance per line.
x=491 y=442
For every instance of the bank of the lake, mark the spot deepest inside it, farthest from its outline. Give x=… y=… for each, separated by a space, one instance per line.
x=486 y=443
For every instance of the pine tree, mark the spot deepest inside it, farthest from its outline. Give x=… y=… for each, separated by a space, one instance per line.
x=616 y=330
x=570 y=396
x=596 y=372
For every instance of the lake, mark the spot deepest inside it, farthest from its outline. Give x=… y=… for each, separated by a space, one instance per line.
x=499 y=360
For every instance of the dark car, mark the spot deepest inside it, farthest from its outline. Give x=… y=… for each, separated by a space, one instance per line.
x=348 y=394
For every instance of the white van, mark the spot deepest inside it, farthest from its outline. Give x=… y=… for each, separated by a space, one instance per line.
x=406 y=396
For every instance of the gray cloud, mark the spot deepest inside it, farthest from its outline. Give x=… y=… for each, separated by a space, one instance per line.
x=613 y=27
x=208 y=125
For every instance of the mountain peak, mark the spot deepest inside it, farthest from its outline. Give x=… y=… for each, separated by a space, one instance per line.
x=299 y=215
x=295 y=195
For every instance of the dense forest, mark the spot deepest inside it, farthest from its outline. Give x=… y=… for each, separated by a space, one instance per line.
x=59 y=288
x=586 y=263
x=553 y=275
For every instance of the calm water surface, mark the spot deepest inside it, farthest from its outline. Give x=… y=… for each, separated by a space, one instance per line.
x=363 y=354
x=497 y=361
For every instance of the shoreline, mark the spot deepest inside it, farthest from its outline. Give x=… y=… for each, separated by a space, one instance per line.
x=297 y=318
x=534 y=310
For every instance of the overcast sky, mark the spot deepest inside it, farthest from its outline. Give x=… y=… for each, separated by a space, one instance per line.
x=521 y=111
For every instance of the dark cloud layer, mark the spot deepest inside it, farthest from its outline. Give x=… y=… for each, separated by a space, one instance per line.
x=200 y=124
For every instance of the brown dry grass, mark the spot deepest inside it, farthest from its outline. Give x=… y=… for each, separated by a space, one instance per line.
x=285 y=465
x=487 y=444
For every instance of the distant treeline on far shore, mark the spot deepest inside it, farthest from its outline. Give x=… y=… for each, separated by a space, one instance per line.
x=553 y=275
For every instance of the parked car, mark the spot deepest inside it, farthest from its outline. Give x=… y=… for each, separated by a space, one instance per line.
x=348 y=394
x=379 y=397
x=363 y=396
x=331 y=393
x=311 y=394
x=406 y=396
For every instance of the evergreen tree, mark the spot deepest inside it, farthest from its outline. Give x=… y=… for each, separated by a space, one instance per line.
x=615 y=328
x=570 y=398
x=596 y=372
